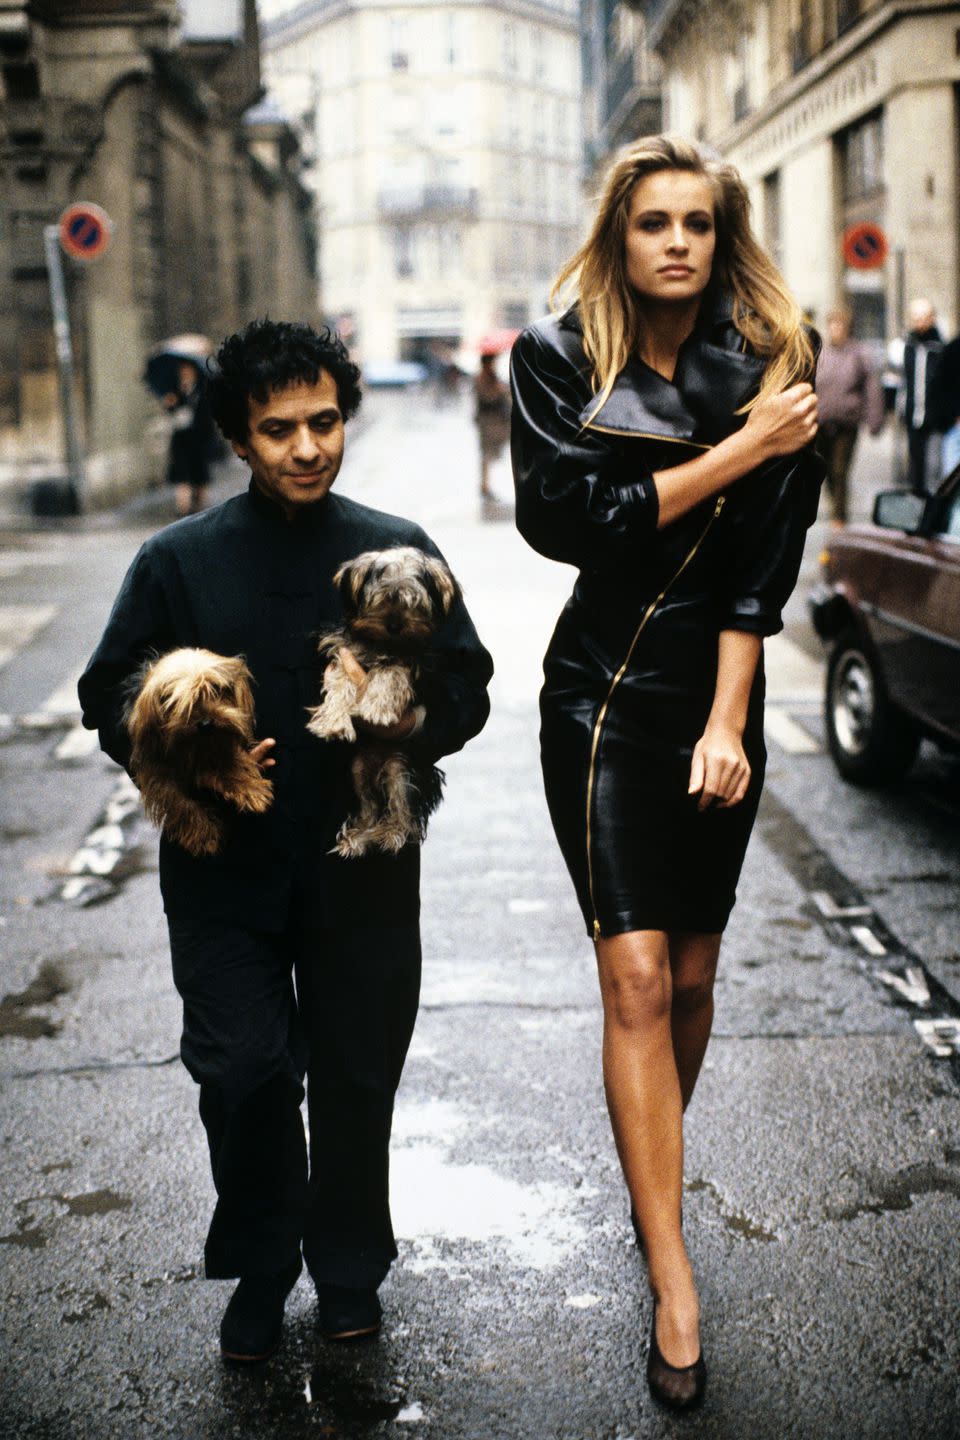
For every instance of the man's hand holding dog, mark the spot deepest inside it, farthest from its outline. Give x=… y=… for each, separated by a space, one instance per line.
x=260 y=754
x=401 y=728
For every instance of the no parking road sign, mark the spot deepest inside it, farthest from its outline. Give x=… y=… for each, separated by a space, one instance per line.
x=864 y=246
x=85 y=230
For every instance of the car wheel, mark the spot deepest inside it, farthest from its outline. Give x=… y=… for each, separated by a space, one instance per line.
x=869 y=739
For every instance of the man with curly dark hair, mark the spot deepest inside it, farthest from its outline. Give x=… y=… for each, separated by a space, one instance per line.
x=290 y=961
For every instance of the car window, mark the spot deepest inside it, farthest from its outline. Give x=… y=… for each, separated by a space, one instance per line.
x=951 y=530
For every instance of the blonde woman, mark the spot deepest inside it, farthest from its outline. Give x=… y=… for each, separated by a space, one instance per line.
x=662 y=431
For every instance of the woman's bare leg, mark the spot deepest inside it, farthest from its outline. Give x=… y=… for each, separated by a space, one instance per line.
x=693 y=966
x=646 y=1111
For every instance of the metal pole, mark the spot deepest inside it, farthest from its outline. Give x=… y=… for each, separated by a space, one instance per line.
x=61 y=331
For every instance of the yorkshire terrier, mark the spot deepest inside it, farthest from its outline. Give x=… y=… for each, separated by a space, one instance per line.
x=191 y=724
x=393 y=602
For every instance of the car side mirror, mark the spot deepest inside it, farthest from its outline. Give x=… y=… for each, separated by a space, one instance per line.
x=900 y=510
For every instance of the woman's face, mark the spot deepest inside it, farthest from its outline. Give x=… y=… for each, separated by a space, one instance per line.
x=671 y=236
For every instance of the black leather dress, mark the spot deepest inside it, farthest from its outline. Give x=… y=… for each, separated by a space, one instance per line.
x=630 y=672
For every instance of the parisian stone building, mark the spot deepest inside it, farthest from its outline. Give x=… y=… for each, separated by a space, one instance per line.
x=448 y=160
x=150 y=109
x=621 y=81
x=839 y=114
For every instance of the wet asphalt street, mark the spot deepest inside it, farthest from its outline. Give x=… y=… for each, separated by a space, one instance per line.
x=822 y=1197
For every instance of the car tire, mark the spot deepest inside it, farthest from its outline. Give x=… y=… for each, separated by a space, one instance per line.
x=870 y=740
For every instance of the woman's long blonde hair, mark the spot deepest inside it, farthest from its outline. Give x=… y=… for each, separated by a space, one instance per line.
x=764 y=311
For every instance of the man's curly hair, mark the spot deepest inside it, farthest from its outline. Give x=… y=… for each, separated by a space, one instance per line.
x=269 y=355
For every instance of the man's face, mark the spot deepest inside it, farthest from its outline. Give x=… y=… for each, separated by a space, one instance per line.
x=294 y=445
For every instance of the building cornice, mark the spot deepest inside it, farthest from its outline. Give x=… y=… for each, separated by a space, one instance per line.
x=840 y=51
x=311 y=14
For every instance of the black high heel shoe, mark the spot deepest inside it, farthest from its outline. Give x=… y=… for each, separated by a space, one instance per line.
x=676 y=1387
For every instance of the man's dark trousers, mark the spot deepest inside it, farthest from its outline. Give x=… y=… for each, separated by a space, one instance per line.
x=260 y=1011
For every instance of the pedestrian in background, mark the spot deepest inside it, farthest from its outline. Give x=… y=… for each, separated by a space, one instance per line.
x=635 y=463
x=947 y=405
x=849 y=395
x=492 y=416
x=192 y=439
x=922 y=350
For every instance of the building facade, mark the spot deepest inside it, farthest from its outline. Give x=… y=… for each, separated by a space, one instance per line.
x=621 y=81
x=128 y=106
x=838 y=113
x=447 y=160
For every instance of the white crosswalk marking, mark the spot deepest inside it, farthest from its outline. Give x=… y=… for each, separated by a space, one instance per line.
x=788 y=734
x=19 y=624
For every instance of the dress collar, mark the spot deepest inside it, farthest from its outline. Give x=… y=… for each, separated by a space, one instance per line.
x=715 y=375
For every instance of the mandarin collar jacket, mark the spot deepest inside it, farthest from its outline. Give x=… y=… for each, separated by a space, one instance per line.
x=241 y=579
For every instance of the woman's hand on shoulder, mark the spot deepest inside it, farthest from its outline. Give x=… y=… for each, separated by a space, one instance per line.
x=720 y=771
x=782 y=424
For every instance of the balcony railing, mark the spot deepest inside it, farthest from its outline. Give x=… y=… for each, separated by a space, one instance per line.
x=413 y=202
x=659 y=14
x=848 y=13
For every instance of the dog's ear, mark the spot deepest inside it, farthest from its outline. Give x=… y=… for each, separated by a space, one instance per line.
x=447 y=586
x=351 y=578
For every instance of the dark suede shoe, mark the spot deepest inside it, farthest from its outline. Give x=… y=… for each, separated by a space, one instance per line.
x=253 y=1320
x=344 y=1314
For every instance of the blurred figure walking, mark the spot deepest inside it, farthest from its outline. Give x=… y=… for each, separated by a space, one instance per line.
x=947 y=405
x=922 y=351
x=492 y=415
x=191 y=439
x=849 y=395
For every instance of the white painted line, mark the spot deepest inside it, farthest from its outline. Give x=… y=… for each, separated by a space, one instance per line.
x=19 y=624
x=942 y=1036
x=410 y=1414
x=583 y=1302
x=64 y=699
x=788 y=734
x=791 y=672
x=830 y=910
x=526 y=907
x=77 y=744
x=912 y=985
x=89 y=861
x=865 y=937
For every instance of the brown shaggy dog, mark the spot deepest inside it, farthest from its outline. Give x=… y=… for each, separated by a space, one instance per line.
x=393 y=602
x=191 y=724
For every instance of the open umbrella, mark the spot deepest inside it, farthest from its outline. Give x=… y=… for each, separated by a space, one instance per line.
x=496 y=341
x=160 y=373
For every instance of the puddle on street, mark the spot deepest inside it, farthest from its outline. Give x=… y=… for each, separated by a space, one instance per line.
x=95 y=1202
x=343 y=1391
x=48 y=985
x=436 y=1199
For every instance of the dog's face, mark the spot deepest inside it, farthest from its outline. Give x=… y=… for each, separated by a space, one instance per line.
x=192 y=695
x=395 y=599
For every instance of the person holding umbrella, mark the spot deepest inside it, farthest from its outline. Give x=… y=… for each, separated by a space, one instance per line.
x=175 y=374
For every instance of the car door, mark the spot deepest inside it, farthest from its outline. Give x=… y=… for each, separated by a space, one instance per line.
x=914 y=609
x=940 y=680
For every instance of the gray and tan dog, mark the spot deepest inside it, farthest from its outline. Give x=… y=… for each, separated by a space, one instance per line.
x=393 y=601
x=190 y=720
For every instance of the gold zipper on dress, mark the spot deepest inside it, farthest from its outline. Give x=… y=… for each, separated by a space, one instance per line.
x=645 y=435
x=602 y=712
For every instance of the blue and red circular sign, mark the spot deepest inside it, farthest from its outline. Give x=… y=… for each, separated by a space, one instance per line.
x=85 y=230
x=864 y=246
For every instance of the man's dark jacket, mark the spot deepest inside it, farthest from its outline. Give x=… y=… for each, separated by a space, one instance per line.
x=243 y=580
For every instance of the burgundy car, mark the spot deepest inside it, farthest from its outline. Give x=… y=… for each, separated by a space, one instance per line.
x=889 y=608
